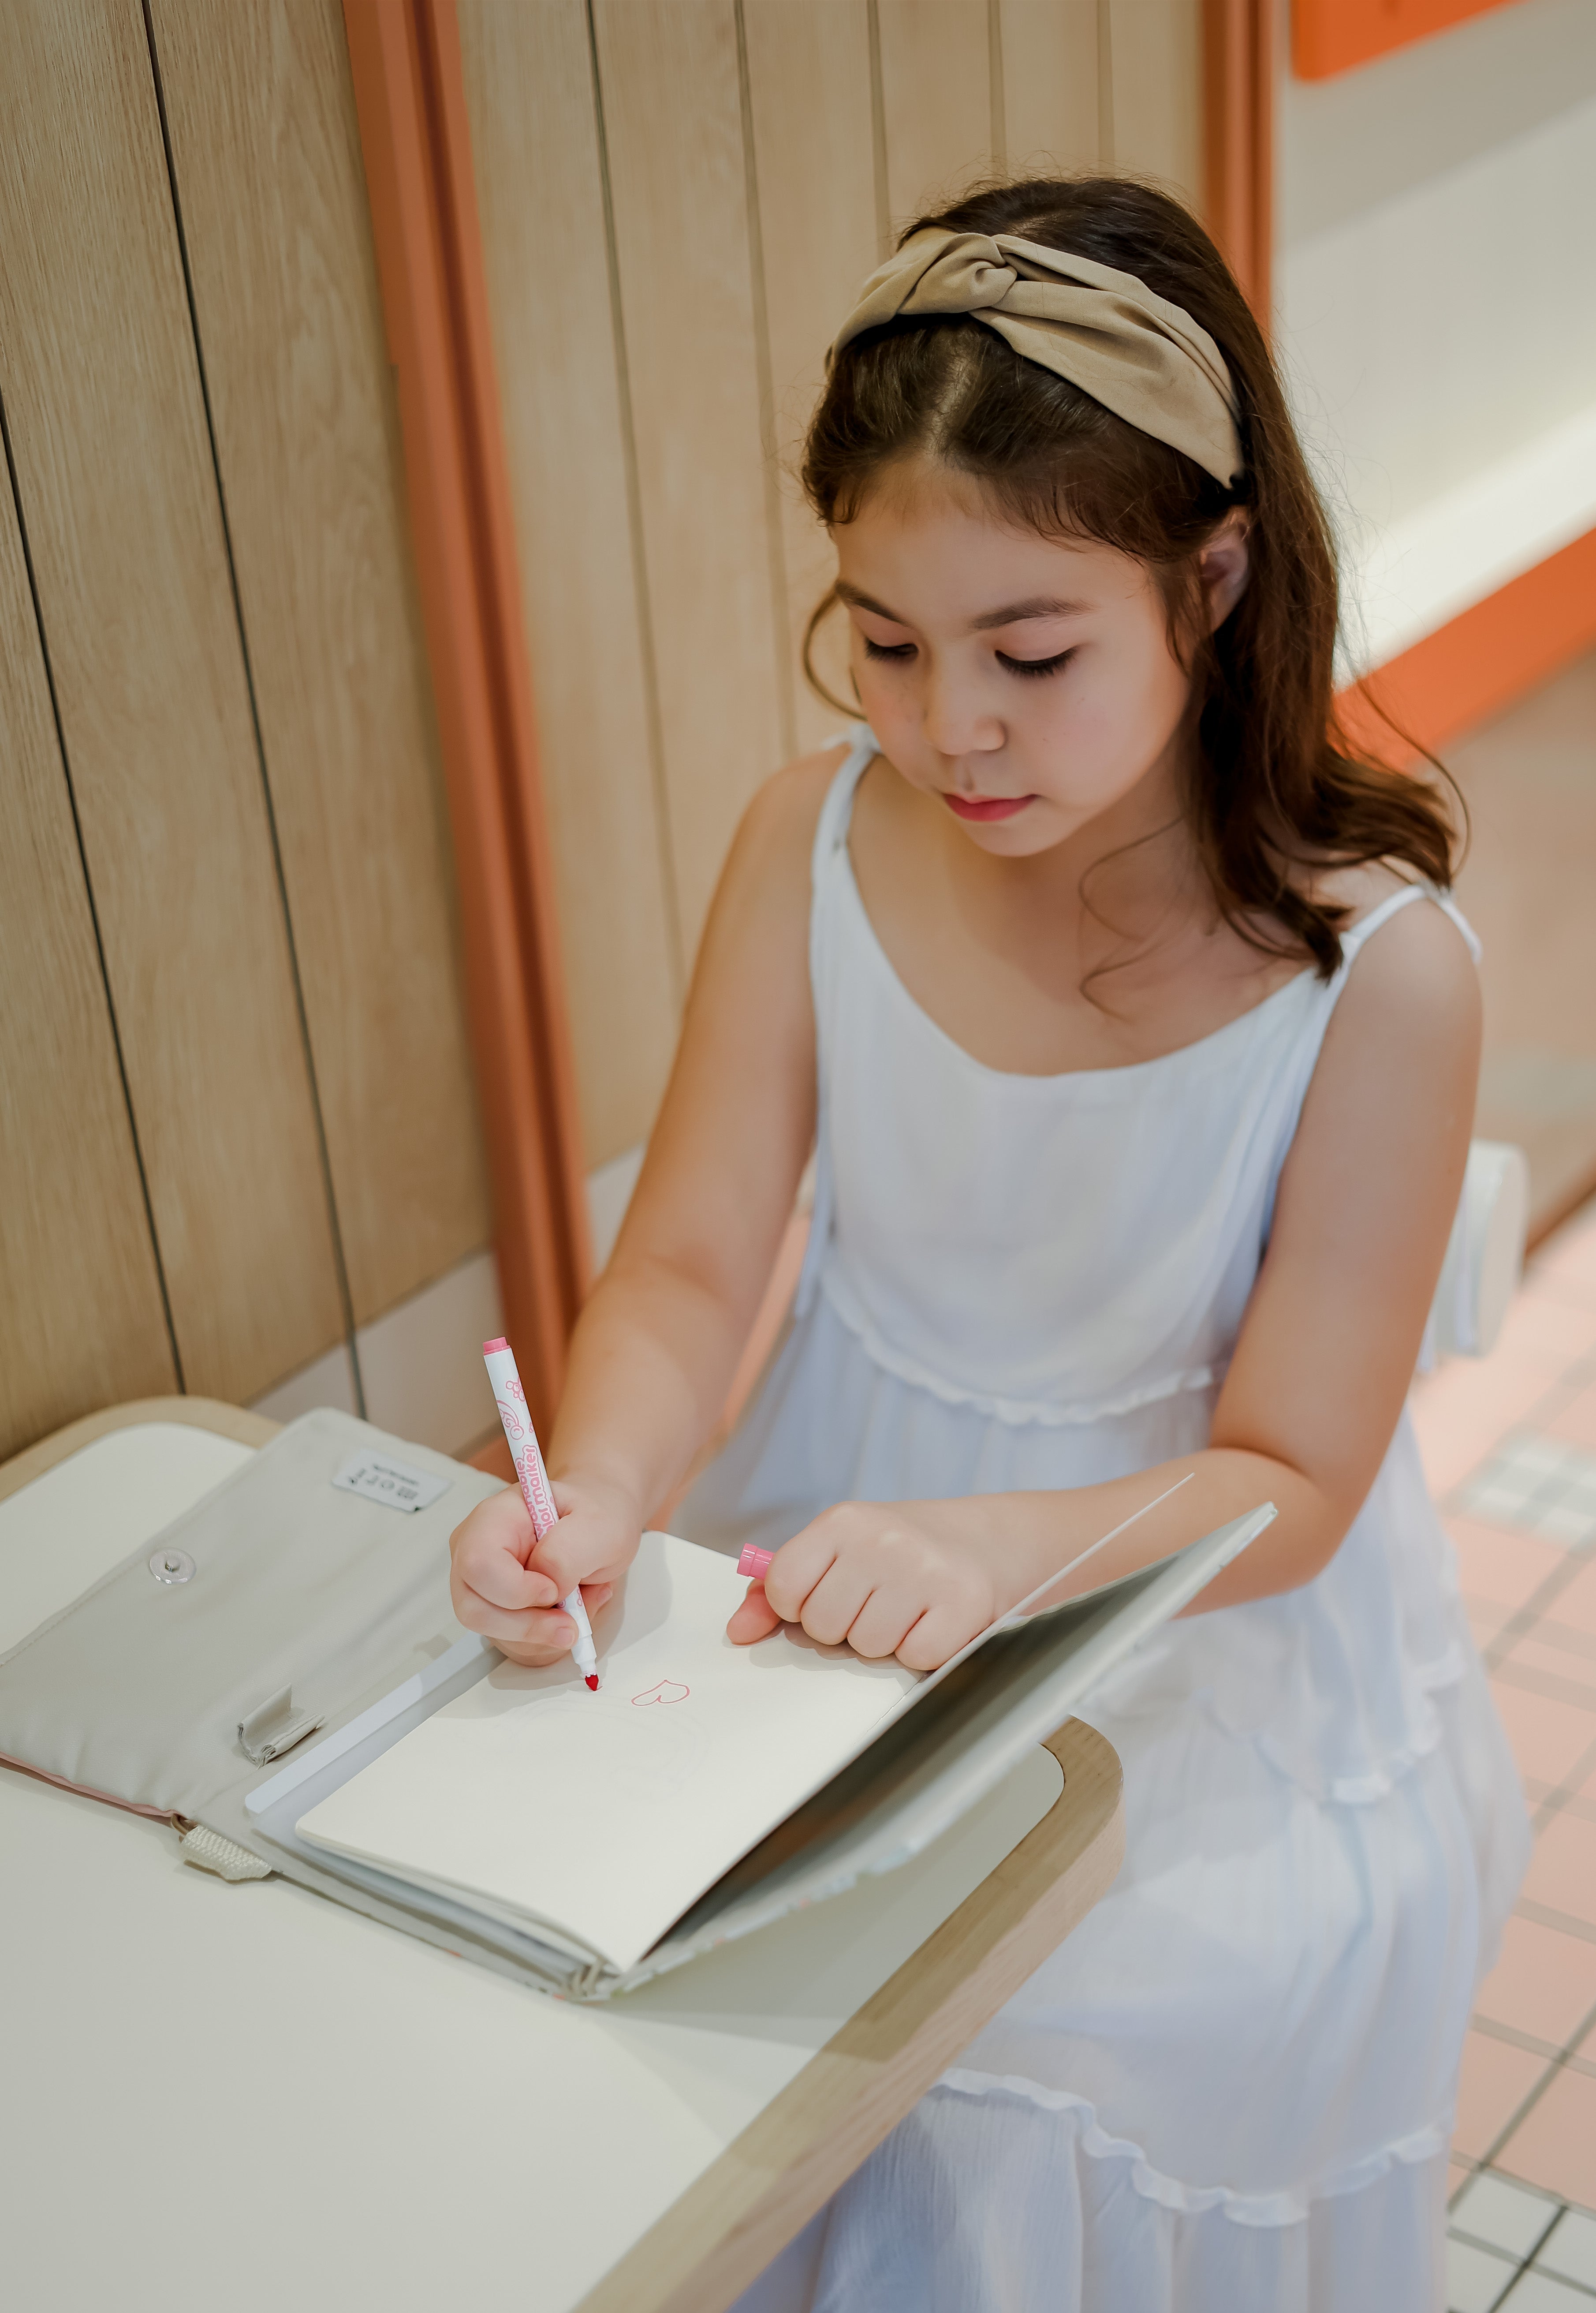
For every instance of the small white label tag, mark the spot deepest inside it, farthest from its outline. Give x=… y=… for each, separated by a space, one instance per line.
x=382 y=1480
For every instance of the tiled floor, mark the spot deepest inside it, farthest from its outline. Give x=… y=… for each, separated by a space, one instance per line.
x=1510 y=1446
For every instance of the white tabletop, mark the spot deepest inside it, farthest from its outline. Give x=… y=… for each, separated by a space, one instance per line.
x=246 y=2096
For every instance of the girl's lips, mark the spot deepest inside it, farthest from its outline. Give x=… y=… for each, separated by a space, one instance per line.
x=986 y=808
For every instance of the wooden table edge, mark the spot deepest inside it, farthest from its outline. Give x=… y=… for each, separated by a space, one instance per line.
x=197 y=1412
x=726 y=2229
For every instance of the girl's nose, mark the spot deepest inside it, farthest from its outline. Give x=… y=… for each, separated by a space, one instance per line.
x=955 y=723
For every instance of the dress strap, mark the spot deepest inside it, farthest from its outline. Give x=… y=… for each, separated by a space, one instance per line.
x=1328 y=993
x=831 y=835
x=1353 y=940
x=831 y=829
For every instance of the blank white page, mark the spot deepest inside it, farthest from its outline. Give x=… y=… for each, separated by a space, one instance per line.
x=607 y=1815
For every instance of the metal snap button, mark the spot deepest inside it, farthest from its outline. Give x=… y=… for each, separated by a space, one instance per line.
x=171 y=1565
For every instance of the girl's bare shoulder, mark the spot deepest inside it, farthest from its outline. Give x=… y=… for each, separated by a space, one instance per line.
x=778 y=828
x=794 y=794
x=1415 y=970
x=762 y=903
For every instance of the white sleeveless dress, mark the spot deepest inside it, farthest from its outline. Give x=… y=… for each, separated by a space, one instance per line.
x=1230 y=2090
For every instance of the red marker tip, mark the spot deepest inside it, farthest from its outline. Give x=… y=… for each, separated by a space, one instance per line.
x=593 y=1680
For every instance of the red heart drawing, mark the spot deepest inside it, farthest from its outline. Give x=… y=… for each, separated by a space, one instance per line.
x=663 y=1690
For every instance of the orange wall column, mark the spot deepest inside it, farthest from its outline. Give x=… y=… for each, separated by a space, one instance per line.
x=1239 y=140
x=409 y=99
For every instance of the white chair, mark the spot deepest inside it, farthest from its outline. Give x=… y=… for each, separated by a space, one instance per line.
x=1484 y=1256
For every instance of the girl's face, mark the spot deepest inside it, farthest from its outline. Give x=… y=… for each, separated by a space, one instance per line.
x=1028 y=684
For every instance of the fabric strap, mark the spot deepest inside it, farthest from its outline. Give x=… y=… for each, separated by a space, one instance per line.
x=1142 y=358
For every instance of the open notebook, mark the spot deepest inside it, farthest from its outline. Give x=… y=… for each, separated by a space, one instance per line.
x=706 y=1788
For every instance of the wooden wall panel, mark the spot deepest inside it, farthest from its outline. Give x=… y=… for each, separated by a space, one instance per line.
x=266 y=159
x=936 y=99
x=117 y=491
x=539 y=183
x=1156 y=81
x=81 y=1300
x=678 y=186
x=1050 y=84
x=809 y=72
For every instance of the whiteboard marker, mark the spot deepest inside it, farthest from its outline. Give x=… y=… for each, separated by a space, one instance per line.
x=522 y=1439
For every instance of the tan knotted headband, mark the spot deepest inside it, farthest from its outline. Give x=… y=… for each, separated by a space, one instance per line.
x=1146 y=360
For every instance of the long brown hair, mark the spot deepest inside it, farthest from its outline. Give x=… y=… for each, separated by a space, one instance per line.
x=1277 y=789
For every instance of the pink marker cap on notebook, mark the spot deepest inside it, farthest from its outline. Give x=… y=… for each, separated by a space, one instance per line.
x=755 y=1562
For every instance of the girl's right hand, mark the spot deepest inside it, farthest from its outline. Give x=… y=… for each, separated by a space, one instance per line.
x=507 y=1585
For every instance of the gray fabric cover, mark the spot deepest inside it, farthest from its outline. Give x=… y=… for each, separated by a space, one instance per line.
x=137 y=1688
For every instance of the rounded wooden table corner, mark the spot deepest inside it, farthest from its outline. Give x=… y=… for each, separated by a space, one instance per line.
x=197 y=1412
x=722 y=2232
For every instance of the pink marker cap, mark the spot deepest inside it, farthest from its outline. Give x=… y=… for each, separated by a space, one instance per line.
x=489 y=1347
x=755 y=1562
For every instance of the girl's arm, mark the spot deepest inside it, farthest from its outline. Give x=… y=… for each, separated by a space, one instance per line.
x=1326 y=1353
x=656 y=1346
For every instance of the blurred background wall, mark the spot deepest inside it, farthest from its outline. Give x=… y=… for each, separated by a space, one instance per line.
x=239 y=1145
x=1435 y=314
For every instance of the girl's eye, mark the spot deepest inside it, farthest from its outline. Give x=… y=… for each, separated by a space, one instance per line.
x=1035 y=665
x=887 y=650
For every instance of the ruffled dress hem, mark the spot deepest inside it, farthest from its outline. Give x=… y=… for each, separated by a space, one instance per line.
x=1367 y=1789
x=1291 y=2206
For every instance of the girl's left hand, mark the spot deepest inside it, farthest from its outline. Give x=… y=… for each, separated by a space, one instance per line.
x=887 y=1578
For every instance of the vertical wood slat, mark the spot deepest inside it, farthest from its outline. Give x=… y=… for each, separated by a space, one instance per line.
x=539 y=173
x=83 y=1322
x=118 y=492
x=808 y=85
x=1239 y=151
x=936 y=94
x=1050 y=93
x=266 y=160
x=1155 y=84
x=414 y=138
x=673 y=116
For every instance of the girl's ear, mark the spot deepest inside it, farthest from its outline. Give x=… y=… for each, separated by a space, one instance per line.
x=1221 y=567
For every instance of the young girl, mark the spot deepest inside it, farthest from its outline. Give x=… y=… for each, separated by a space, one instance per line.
x=1137 y=1038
